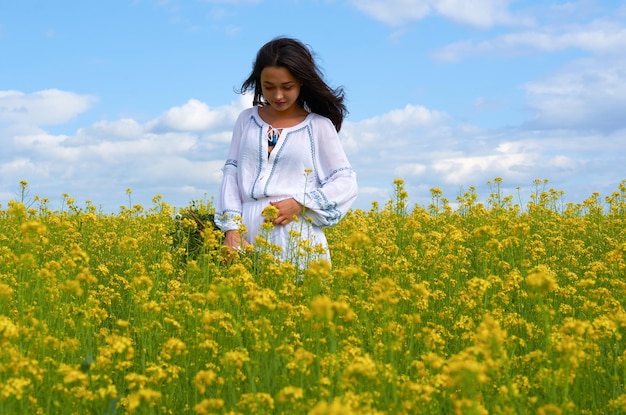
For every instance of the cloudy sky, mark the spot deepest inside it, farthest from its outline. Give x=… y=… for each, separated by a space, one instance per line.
x=100 y=97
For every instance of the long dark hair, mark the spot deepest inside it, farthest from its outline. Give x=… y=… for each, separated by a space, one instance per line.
x=315 y=95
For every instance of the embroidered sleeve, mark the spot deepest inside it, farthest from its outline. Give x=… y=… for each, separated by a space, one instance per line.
x=228 y=204
x=338 y=188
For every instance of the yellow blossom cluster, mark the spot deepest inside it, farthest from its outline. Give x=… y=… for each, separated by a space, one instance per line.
x=471 y=308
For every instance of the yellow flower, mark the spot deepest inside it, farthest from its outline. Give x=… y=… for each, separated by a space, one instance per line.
x=173 y=346
x=119 y=345
x=618 y=404
x=361 y=366
x=290 y=394
x=6 y=292
x=72 y=286
x=301 y=360
x=319 y=270
x=122 y=323
x=322 y=308
x=542 y=280
x=72 y=374
x=336 y=407
x=270 y=212
x=17 y=210
x=14 y=387
x=485 y=231
x=204 y=378
x=33 y=226
x=78 y=254
x=254 y=403
x=214 y=405
x=549 y=409
x=236 y=358
x=146 y=395
x=359 y=240
x=465 y=372
x=143 y=282
x=469 y=406
x=261 y=299
x=136 y=380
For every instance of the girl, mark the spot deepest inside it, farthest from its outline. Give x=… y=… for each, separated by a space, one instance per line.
x=285 y=152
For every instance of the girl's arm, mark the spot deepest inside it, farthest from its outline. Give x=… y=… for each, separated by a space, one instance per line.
x=329 y=203
x=228 y=204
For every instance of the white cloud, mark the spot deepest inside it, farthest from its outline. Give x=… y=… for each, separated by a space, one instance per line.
x=425 y=147
x=47 y=107
x=195 y=115
x=486 y=13
x=394 y=12
x=412 y=115
x=478 y=169
x=587 y=94
x=123 y=129
x=600 y=36
x=391 y=129
x=182 y=149
x=413 y=169
x=192 y=116
x=450 y=156
x=479 y=13
x=21 y=164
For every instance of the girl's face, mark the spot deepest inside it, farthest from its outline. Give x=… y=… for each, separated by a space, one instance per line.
x=280 y=88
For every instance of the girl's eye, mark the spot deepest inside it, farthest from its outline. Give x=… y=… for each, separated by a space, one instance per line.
x=272 y=88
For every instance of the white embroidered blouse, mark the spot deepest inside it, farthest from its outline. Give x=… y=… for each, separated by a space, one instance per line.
x=308 y=163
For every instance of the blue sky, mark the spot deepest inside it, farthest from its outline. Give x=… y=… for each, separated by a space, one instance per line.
x=99 y=97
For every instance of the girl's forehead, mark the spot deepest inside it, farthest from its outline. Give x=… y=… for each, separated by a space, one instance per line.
x=276 y=74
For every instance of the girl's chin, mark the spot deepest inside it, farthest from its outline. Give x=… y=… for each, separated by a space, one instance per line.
x=280 y=107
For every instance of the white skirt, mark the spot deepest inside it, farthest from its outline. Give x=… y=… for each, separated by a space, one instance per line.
x=300 y=241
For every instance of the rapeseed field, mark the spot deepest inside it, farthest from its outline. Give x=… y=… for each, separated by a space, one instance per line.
x=452 y=308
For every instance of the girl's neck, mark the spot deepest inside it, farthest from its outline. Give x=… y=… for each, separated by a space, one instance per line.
x=282 y=119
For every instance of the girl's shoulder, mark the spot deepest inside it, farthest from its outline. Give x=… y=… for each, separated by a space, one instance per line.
x=321 y=121
x=248 y=113
x=317 y=122
x=245 y=116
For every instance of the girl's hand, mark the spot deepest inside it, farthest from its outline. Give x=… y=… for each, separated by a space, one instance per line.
x=287 y=210
x=233 y=240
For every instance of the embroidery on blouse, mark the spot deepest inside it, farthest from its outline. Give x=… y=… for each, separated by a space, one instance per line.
x=334 y=215
x=227 y=215
x=277 y=159
x=334 y=172
x=259 y=165
x=331 y=213
x=317 y=196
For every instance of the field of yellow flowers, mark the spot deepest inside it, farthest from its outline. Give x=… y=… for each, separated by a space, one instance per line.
x=450 y=308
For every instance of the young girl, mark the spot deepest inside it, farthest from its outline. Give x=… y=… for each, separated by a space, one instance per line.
x=285 y=152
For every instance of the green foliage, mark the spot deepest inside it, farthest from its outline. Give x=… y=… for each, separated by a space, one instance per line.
x=190 y=228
